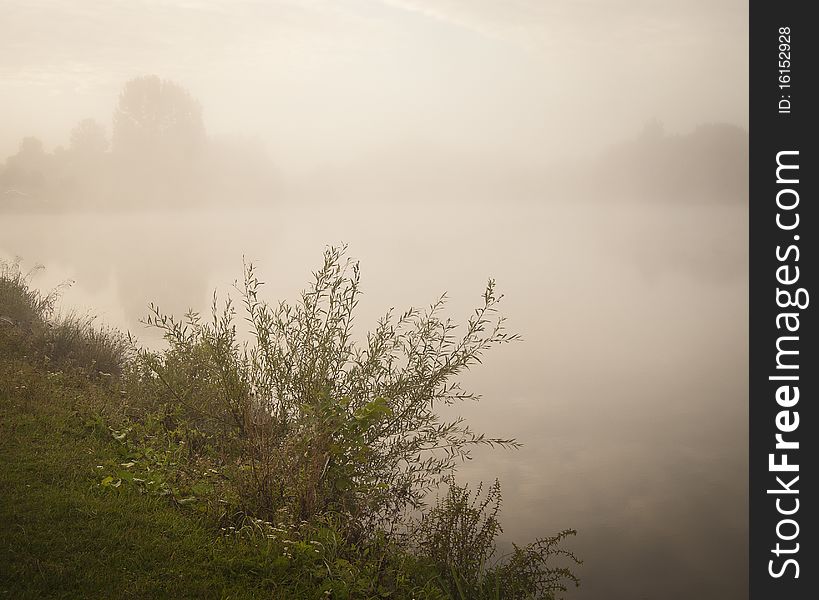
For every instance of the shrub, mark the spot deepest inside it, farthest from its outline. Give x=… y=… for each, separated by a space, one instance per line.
x=312 y=426
x=74 y=341
x=528 y=572
x=315 y=448
x=458 y=535
x=21 y=305
x=28 y=323
x=330 y=425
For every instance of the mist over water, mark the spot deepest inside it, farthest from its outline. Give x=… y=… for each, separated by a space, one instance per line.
x=591 y=157
x=628 y=391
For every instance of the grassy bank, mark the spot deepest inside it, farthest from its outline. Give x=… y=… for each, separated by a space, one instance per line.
x=299 y=466
x=65 y=536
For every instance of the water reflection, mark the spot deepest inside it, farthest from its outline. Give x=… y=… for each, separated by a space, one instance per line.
x=628 y=391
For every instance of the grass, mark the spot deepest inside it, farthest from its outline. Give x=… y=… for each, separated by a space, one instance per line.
x=65 y=537
x=128 y=474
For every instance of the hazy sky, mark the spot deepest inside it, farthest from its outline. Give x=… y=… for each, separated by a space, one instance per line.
x=332 y=81
x=630 y=391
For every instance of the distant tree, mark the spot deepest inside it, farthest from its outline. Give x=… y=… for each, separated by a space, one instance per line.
x=709 y=164
x=158 y=143
x=155 y=115
x=28 y=167
x=31 y=153
x=89 y=139
x=653 y=130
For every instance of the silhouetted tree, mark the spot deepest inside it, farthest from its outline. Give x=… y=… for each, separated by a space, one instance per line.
x=89 y=139
x=709 y=164
x=157 y=143
x=28 y=167
x=155 y=115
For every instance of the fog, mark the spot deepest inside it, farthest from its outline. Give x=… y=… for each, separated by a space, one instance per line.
x=591 y=157
x=327 y=81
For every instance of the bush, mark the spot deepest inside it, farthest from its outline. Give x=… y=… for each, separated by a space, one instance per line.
x=22 y=306
x=314 y=448
x=328 y=425
x=326 y=445
x=458 y=535
x=74 y=341
x=28 y=324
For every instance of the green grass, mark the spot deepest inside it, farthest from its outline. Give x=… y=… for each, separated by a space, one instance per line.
x=110 y=487
x=63 y=536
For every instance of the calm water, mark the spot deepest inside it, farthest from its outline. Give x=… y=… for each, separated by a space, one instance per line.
x=629 y=390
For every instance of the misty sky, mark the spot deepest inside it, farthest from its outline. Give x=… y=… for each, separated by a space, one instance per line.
x=630 y=389
x=333 y=81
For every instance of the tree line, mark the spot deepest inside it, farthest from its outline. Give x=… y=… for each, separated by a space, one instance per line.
x=158 y=153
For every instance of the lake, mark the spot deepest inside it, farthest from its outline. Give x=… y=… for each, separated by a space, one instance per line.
x=629 y=389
